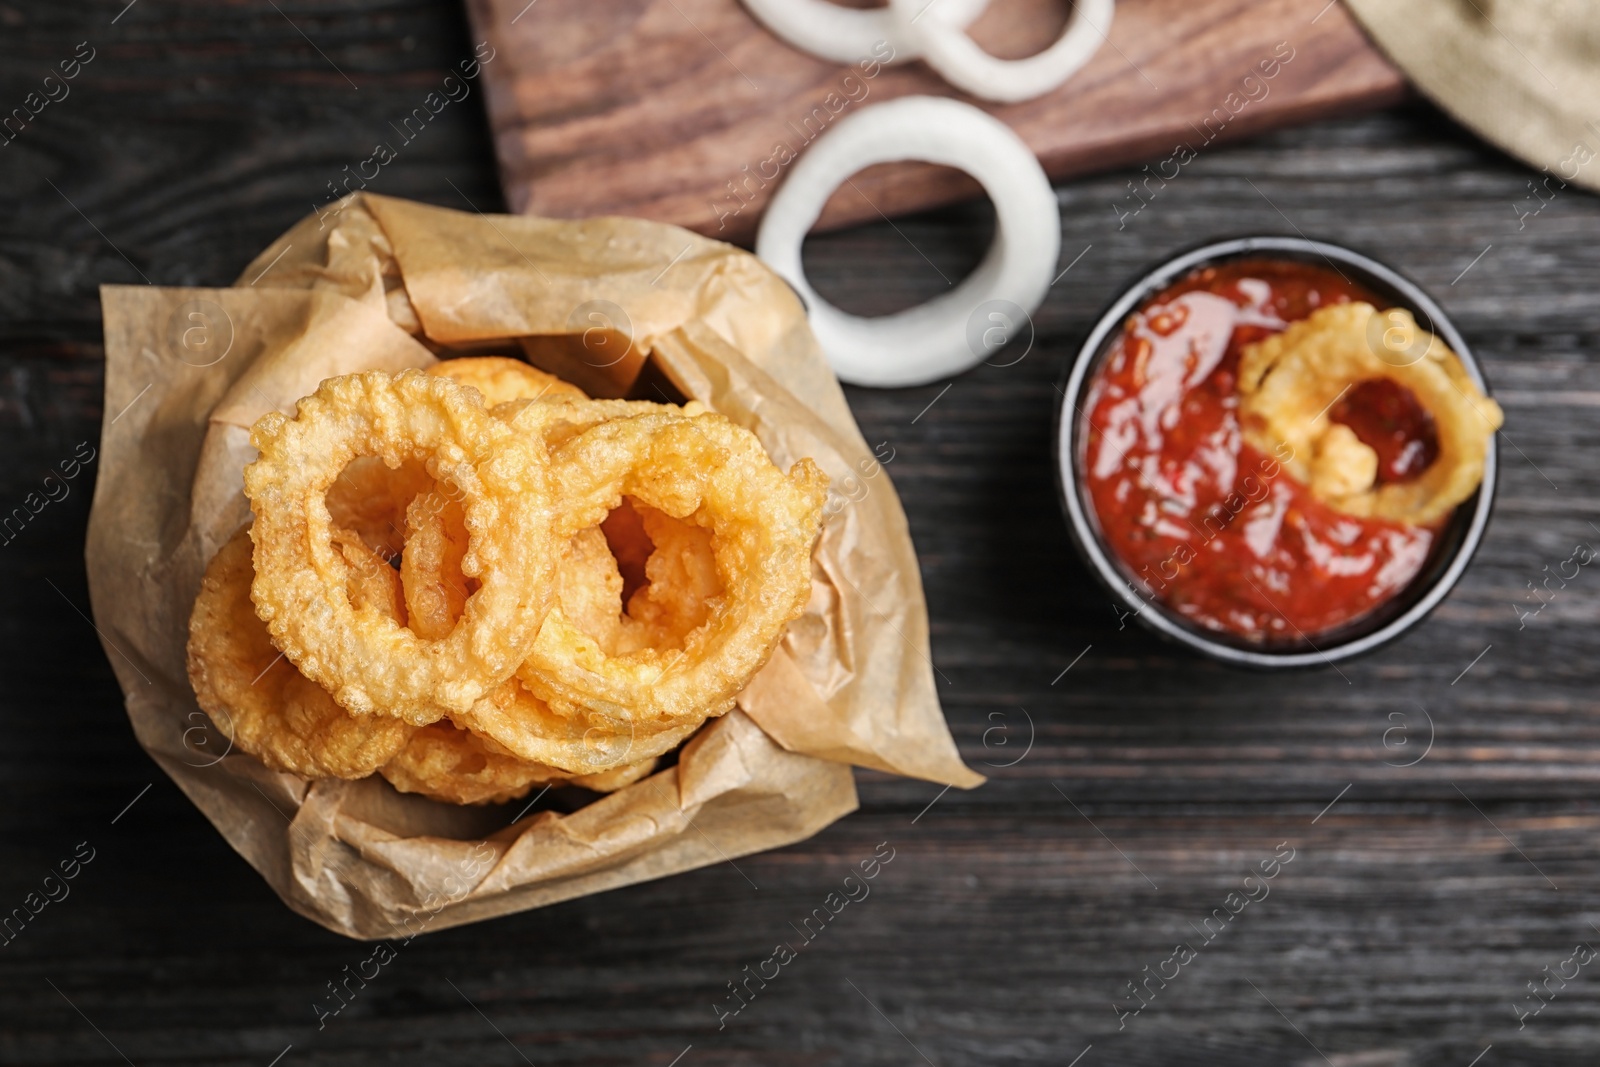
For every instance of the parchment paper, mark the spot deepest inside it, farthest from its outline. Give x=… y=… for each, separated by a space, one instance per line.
x=375 y=282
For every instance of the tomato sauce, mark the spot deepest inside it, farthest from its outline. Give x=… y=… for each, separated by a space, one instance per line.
x=1214 y=528
x=1389 y=419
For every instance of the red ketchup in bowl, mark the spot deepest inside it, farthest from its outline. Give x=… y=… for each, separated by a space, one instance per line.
x=1212 y=527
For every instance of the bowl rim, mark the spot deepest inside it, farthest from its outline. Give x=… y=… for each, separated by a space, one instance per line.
x=1151 y=612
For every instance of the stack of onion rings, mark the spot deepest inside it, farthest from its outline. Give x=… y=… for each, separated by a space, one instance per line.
x=429 y=549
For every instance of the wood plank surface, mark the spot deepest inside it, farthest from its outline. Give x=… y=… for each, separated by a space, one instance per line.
x=1419 y=903
x=687 y=110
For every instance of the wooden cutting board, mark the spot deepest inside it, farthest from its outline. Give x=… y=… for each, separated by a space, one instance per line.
x=676 y=109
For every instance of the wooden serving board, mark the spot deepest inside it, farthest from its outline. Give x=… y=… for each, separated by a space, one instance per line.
x=674 y=109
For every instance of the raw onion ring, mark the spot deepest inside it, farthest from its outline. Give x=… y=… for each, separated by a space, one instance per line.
x=945 y=46
x=369 y=663
x=851 y=35
x=929 y=341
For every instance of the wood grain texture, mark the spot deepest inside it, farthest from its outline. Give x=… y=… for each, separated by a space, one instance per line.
x=1402 y=933
x=687 y=110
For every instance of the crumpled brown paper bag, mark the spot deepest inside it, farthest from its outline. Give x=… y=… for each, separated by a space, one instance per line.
x=375 y=282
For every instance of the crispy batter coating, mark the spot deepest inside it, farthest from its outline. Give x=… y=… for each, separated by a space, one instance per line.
x=681 y=587
x=436 y=589
x=257 y=698
x=617 y=777
x=593 y=741
x=1288 y=382
x=589 y=591
x=370 y=583
x=559 y=420
x=629 y=544
x=684 y=587
x=448 y=763
x=589 y=586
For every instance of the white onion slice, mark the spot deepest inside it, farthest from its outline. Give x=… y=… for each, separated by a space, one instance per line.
x=929 y=341
x=946 y=48
x=851 y=35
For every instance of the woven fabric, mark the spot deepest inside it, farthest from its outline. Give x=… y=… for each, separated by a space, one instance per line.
x=1523 y=74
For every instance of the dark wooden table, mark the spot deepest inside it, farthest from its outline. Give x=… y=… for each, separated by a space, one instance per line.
x=1129 y=796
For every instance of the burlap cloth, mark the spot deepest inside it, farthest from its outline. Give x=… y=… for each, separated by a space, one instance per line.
x=1523 y=74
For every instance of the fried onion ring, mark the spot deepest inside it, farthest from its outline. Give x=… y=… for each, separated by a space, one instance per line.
x=1288 y=383
x=589 y=591
x=257 y=698
x=436 y=589
x=681 y=590
x=501 y=379
x=709 y=472
x=457 y=766
x=617 y=777
x=630 y=545
x=369 y=663
x=372 y=585
x=596 y=740
x=560 y=420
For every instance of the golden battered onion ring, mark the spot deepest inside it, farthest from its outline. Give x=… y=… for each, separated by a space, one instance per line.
x=369 y=663
x=501 y=379
x=1288 y=383
x=595 y=741
x=257 y=698
x=712 y=473
x=681 y=591
x=617 y=777
x=447 y=763
x=436 y=589
x=372 y=585
x=589 y=591
x=560 y=420
x=589 y=587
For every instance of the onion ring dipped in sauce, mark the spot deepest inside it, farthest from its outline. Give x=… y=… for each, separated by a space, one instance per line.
x=1272 y=456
